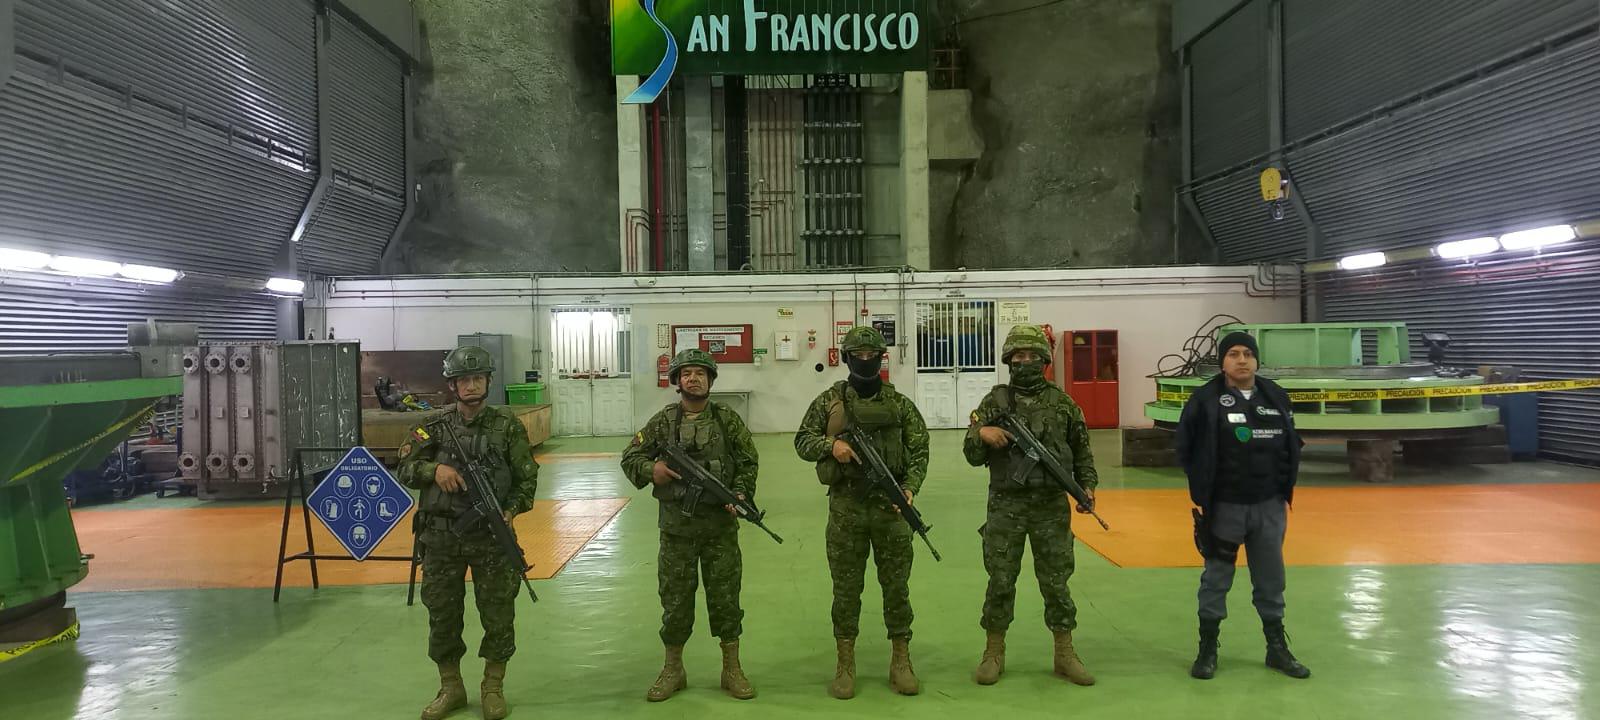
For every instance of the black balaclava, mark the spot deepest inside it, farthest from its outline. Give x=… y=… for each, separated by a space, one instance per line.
x=1028 y=377
x=864 y=375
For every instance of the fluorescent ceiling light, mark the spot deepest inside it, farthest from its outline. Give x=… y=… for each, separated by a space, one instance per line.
x=11 y=259
x=149 y=273
x=84 y=266
x=1466 y=248
x=1538 y=237
x=286 y=285
x=1363 y=261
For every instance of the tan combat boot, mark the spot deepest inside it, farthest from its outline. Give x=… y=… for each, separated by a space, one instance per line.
x=494 y=691
x=844 y=677
x=733 y=679
x=901 y=677
x=672 y=677
x=452 y=694
x=993 y=664
x=1068 y=664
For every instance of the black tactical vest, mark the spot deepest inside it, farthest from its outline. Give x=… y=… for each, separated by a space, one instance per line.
x=1252 y=462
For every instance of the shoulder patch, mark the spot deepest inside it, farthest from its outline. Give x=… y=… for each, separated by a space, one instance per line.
x=405 y=450
x=420 y=433
x=974 y=417
x=638 y=439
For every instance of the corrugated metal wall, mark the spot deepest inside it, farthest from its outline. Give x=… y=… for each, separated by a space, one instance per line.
x=43 y=314
x=1541 y=314
x=1230 y=89
x=1405 y=124
x=1410 y=124
x=156 y=133
x=367 y=154
x=185 y=134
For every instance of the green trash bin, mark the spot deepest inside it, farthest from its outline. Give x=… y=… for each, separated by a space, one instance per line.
x=525 y=394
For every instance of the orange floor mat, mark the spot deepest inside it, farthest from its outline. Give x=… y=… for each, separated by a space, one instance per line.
x=1424 y=525
x=237 y=547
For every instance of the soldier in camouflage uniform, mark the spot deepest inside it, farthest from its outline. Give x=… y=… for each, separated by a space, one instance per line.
x=716 y=437
x=1036 y=511
x=860 y=520
x=499 y=443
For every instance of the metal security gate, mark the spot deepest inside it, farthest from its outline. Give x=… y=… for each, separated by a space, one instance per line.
x=955 y=359
x=592 y=371
x=1540 y=314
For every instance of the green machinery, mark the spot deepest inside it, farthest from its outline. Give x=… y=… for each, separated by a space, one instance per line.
x=57 y=413
x=1351 y=381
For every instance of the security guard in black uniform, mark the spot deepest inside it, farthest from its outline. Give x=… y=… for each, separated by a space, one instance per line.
x=1237 y=443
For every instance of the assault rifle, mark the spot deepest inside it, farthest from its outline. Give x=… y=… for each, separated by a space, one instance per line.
x=485 y=507
x=699 y=483
x=1035 y=454
x=878 y=473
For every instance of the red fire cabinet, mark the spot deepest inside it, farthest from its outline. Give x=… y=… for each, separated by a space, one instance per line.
x=1089 y=359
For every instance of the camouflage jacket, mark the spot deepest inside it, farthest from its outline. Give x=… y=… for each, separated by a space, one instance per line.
x=1053 y=417
x=498 y=442
x=814 y=441
x=718 y=439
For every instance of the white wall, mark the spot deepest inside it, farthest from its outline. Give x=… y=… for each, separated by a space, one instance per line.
x=1154 y=310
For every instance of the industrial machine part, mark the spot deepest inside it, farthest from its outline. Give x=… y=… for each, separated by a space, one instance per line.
x=248 y=406
x=1351 y=365
x=1354 y=382
x=58 y=413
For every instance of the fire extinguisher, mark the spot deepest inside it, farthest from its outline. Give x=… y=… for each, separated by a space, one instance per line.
x=1050 y=357
x=883 y=370
x=663 y=361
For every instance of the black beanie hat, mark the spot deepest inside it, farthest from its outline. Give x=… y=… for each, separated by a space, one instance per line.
x=1237 y=338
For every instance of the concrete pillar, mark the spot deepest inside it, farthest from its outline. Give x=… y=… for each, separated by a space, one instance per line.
x=914 y=169
x=700 y=181
x=633 y=180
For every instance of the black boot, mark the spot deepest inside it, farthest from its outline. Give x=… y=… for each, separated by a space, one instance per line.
x=1205 y=662
x=1278 y=656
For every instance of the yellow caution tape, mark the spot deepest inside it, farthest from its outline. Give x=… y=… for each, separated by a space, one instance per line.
x=137 y=418
x=70 y=633
x=1420 y=392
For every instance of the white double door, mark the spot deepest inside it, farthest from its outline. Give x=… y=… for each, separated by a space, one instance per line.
x=947 y=399
x=591 y=385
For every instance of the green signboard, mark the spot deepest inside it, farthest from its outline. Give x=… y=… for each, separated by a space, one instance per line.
x=658 y=38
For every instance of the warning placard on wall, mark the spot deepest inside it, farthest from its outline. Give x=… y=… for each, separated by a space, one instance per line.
x=1014 y=313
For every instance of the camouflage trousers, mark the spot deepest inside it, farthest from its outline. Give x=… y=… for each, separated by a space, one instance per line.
x=1044 y=519
x=684 y=560
x=445 y=559
x=857 y=528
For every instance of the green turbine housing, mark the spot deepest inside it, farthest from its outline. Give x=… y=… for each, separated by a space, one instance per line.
x=1329 y=357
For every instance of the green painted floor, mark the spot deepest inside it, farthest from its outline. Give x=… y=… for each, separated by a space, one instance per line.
x=1409 y=642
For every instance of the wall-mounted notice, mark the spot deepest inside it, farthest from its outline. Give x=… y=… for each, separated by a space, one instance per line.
x=1014 y=313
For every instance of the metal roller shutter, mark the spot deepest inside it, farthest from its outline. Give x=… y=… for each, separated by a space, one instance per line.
x=1541 y=314
x=1345 y=58
x=1229 y=70
x=127 y=139
x=1518 y=150
x=40 y=314
x=367 y=149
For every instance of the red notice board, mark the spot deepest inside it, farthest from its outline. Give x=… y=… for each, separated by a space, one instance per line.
x=726 y=343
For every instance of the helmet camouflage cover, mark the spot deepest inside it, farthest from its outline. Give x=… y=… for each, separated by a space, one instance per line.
x=1025 y=337
x=691 y=356
x=468 y=360
x=863 y=337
